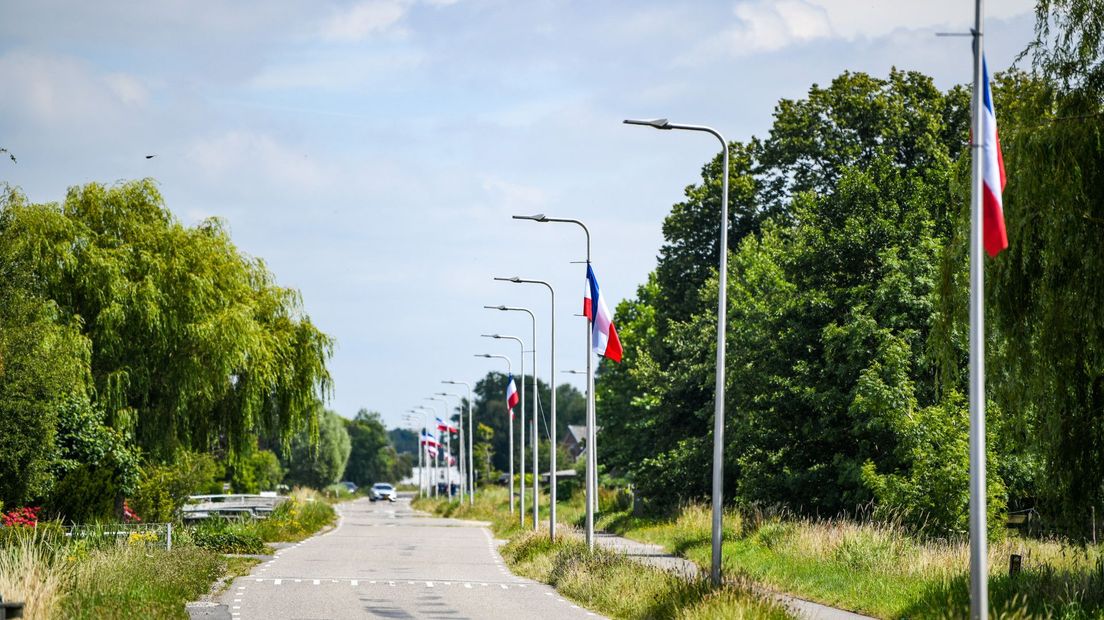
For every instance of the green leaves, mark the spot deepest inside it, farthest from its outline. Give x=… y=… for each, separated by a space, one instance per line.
x=192 y=342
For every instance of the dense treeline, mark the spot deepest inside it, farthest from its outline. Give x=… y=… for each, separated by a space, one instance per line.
x=146 y=359
x=847 y=316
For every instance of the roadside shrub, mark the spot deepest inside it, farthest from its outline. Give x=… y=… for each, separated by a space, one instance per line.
x=163 y=488
x=304 y=513
x=228 y=537
x=87 y=493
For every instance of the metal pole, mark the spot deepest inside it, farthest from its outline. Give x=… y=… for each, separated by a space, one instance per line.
x=552 y=479
x=521 y=450
x=510 y=438
x=448 y=449
x=533 y=421
x=460 y=428
x=471 y=436
x=979 y=571
x=722 y=313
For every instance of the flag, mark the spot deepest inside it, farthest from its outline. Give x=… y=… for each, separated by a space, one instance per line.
x=511 y=396
x=429 y=440
x=451 y=460
x=604 y=340
x=446 y=426
x=994 y=236
x=431 y=450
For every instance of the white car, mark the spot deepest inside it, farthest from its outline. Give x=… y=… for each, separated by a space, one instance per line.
x=382 y=490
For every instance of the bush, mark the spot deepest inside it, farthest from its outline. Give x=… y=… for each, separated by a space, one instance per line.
x=303 y=514
x=163 y=488
x=228 y=537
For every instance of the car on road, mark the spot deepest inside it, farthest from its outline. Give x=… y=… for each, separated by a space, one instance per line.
x=349 y=486
x=382 y=490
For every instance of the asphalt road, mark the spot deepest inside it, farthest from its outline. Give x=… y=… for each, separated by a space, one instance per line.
x=385 y=560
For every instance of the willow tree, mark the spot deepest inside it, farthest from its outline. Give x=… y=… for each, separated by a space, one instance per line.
x=192 y=341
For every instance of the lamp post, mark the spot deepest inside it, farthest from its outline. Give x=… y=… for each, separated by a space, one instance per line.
x=423 y=473
x=552 y=479
x=533 y=409
x=410 y=417
x=591 y=435
x=521 y=443
x=425 y=426
x=460 y=426
x=510 y=439
x=448 y=441
x=722 y=314
x=471 y=437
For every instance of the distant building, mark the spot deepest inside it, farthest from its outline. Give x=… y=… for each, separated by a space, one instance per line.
x=575 y=440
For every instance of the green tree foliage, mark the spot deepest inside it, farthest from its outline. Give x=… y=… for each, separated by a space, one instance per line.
x=489 y=408
x=406 y=440
x=318 y=464
x=93 y=466
x=191 y=342
x=257 y=471
x=839 y=219
x=482 y=453
x=164 y=488
x=372 y=458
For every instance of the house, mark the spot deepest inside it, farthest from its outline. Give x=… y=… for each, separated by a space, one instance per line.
x=574 y=442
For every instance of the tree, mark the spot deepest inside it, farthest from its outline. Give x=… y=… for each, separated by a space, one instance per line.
x=190 y=342
x=373 y=458
x=322 y=463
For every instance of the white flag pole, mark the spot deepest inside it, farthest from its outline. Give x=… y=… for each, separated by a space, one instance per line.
x=979 y=570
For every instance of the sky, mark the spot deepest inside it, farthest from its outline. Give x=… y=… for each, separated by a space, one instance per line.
x=373 y=151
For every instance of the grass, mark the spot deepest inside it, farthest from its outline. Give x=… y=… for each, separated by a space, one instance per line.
x=100 y=576
x=881 y=569
x=603 y=580
x=877 y=569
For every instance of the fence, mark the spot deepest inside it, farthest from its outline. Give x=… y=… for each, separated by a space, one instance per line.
x=145 y=534
x=230 y=506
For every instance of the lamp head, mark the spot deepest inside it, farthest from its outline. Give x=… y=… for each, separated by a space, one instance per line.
x=482 y=354
x=536 y=217
x=495 y=307
x=658 y=123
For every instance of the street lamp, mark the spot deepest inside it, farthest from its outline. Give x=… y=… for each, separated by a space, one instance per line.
x=552 y=478
x=722 y=304
x=425 y=415
x=424 y=473
x=411 y=417
x=533 y=417
x=471 y=461
x=460 y=426
x=592 y=443
x=521 y=450
x=448 y=452
x=510 y=439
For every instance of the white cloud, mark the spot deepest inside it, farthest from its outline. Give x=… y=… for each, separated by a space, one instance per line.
x=335 y=70
x=515 y=196
x=50 y=90
x=772 y=25
x=766 y=26
x=247 y=157
x=365 y=19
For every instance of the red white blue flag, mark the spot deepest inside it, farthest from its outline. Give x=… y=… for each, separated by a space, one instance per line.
x=604 y=340
x=431 y=450
x=429 y=440
x=994 y=235
x=446 y=426
x=511 y=396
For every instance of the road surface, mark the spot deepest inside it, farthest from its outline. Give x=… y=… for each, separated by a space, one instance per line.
x=385 y=560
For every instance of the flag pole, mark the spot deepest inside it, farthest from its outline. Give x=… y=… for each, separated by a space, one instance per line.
x=979 y=571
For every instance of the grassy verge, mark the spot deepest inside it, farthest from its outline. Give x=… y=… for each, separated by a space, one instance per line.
x=880 y=569
x=603 y=581
x=877 y=569
x=135 y=577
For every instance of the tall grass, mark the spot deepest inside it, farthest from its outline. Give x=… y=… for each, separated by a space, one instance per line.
x=603 y=580
x=31 y=572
